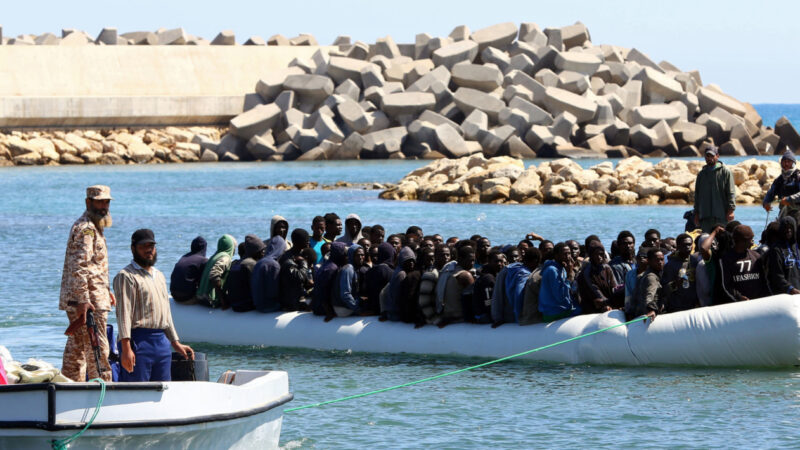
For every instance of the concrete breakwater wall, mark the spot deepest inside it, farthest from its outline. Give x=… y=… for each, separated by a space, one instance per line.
x=123 y=86
x=476 y=179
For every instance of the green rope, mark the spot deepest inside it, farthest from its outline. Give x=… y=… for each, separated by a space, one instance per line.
x=62 y=444
x=442 y=375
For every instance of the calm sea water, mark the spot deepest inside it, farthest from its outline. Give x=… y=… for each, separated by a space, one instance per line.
x=516 y=404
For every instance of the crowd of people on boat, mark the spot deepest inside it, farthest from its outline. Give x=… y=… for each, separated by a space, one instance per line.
x=342 y=268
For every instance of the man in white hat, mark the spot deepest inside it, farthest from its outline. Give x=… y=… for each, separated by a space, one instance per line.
x=85 y=286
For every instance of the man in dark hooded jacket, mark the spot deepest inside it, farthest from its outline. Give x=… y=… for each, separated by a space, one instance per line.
x=397 y=304
x=783 y=260
x=237 y=286
x=352 y=230
x=347 y=297
x=187 y=272
x=324 y=276
x=265 y=281
x=296 y=280
x=379 y=275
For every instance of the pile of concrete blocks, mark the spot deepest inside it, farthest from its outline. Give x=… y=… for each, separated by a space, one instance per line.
x=162 y=36
x=502 y=90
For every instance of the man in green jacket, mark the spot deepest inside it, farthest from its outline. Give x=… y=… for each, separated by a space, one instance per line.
x=715 y=193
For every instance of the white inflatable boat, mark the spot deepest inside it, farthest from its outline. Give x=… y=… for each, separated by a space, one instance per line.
x=756 y=333
x=241 y=411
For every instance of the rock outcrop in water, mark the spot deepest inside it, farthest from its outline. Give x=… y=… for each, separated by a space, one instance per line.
x=502 y=90
x=118 y=146
x=476 y=179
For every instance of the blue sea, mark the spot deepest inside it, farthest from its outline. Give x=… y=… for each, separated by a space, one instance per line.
x=510 y=405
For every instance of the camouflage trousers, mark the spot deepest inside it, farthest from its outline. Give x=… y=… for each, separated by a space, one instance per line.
x=78 y=353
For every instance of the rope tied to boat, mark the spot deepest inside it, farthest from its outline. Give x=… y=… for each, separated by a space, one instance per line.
x=455 y=372
x=62 y=444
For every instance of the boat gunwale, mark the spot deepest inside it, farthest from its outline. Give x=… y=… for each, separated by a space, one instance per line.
x=52 y=425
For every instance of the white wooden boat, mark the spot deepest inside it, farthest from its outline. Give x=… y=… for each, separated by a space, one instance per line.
x=245 y=413
x=756 y=333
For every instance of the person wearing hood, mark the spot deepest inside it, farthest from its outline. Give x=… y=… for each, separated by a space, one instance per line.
x=786 y=188
x=783 y=260
x=626 y=258
x=397 y=305
x=379 y=275
x=264 y=282
x=238 y=292
x=324 y=277
x=596 y=283
x=715 y=192
x=352 y=230
x=279 y=226
x=347 y=298
x=557 y=299
x=679 y=280
x=185 y=277
x=209 y=291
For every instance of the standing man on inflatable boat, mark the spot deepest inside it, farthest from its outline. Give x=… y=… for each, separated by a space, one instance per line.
x=84 y=287
x=715 y=193
x=144 y=317
x=786 y=188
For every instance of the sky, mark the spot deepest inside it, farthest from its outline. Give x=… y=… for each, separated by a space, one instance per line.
x=749 y=49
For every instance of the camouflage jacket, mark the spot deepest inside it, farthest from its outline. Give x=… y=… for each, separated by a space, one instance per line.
x=85 y=275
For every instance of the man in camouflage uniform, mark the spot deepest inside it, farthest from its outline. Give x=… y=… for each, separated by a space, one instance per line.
x=85 y=286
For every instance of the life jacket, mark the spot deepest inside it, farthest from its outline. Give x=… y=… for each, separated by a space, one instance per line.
x=453 y=309
x=427 y=294
x=441 y=284
x=530 y=302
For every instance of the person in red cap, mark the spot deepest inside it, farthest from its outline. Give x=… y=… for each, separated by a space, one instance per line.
x=84 y=287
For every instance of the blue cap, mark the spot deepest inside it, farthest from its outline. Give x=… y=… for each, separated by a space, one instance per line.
x=788 y=154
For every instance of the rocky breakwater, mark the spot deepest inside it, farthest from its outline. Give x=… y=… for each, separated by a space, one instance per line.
x=502 y=90
x=119 y=146
x=476 y=179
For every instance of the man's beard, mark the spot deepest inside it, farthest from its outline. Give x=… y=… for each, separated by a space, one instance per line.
x=145 y=262
x=100 y=220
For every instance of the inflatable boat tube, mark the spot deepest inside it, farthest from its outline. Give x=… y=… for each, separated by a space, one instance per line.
x=756 y=333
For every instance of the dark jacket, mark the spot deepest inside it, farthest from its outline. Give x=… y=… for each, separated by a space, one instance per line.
x=324 y=276
x=742 y=276
x=379 y=275
x=293 y=280
x=394 y=294
x=783 y=262
x=649 y=295
x=715 y=192
x=346 y=292
x=265 y=282
x=187 y=271
x=678 y=282
x=238 y=291
x=596 y=284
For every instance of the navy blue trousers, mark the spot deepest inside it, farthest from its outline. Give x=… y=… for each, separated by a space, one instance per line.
x=153 y=356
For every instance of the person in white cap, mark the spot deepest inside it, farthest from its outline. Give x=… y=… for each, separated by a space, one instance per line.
x=85 y=286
